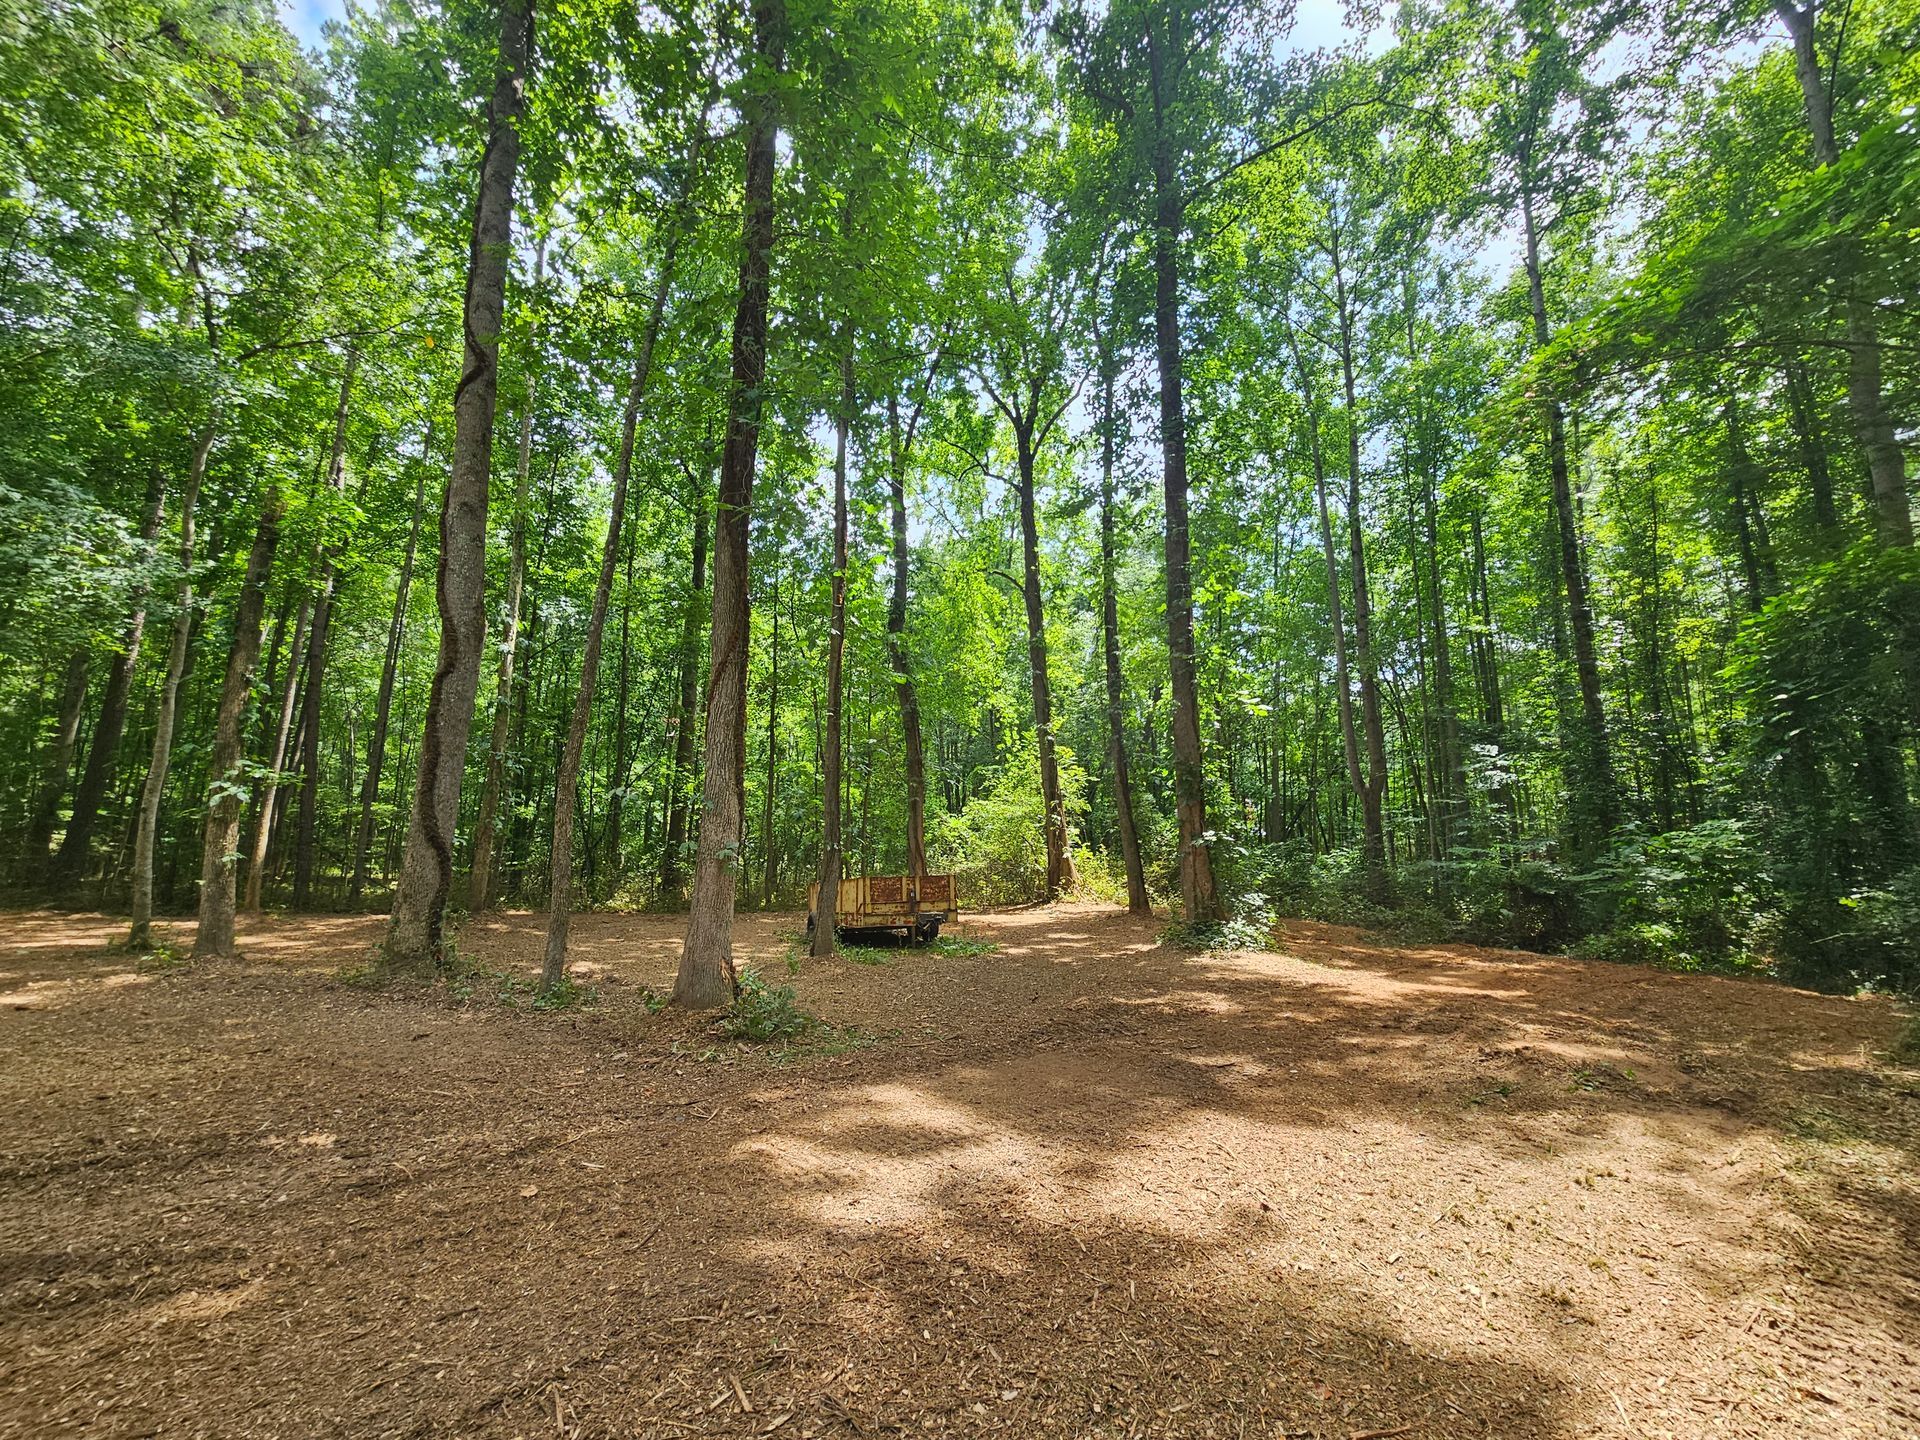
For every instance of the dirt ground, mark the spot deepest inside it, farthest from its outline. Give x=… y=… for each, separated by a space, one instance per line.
x=1085 y=1185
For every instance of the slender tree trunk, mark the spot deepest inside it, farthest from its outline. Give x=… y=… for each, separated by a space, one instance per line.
x=1373 y=793
x=707 y=978
x=898 y=655
x=140 y=931
x=1596 y=799
x=1198 y=895
x=227 y=793
x=567 y=779
x=1058 y=864
x=389 y=668
x=673 y=860
x=1813 y=450
x=827 y=907
x=1336 y=618
x=270 y=787
x=1137 y=900
x=770 y=860
x=59 y=757
x=1866 y=391
x=69 y=865
x=426 y=877
x=485 y=830
x=317 y=638
x=617 y=791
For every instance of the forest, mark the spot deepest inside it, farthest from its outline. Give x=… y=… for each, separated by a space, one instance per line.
x=1440 y=466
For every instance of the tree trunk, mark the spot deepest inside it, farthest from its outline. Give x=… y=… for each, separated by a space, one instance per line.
x=1198 y=896
x=1137 y=900
x=899 y=657
x=317 y=638
x=225 y=783
x=827 y=906
x=140 y=931
x=770 y=861
x=1598 y=806
x=485 y=836
x=623 y=685
x=270 y=787
x=707 y=979
x=426 y=876
x=566 y=782
x=1813 y=450
x=383 y=706
x=673 y=860
x=69 y=865
x=1336 y=618
x=1866 y=392
x=1058 y=864
x=59 y=757
x=1373 y=793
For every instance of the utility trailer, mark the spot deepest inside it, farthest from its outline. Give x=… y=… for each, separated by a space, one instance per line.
x=911 y=906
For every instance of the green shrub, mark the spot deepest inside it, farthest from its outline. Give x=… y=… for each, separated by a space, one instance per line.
x=761 y=1013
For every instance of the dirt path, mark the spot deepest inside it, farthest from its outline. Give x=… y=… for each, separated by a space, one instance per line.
x=1088 y=1185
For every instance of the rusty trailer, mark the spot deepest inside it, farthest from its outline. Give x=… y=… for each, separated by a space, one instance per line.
x=911 y=906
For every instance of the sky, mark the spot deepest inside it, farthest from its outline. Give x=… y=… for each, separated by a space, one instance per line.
x=1317 y=23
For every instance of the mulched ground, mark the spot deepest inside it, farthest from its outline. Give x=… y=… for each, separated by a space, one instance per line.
x=1087 y=1185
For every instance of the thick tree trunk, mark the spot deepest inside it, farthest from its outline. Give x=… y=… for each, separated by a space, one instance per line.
x=270 y=787
x=1198 y=895
x=426 y=876
x=566 y=782
x=673 y=858
x=69 y=865
x=226 y=790
x=140 y=931
x=899 y=658
x=1373 y=793
x=389 y=668
x=485 y=836
x=59 y=757
x=707 y=978
x=1137 y=899
x=308 y=818
x=1596 y=800
x=827 y=906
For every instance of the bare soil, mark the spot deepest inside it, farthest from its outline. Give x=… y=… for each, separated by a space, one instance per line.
x=1086 y=1185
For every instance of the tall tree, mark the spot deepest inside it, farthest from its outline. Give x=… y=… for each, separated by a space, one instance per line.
x=414 y=935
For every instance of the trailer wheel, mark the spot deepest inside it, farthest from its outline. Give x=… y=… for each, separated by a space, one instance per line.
x=927 y=932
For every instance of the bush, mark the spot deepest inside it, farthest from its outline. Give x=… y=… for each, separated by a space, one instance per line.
x=997 y=845
x=761 y=1012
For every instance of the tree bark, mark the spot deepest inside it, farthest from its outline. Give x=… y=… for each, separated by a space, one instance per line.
x=59 y=757
x=270 y=787
x=389 y=668
x=1594 y=767
x=308 y=817
x=1059 y=865
x=566 y=782
x=226 y=792
x=899 y=658
x=673 y=860
x=707 y=979
x=1199 y=897
x=426 y=879
x=1138 y=902
x=69 y=864
x=1373 y=792
x=1866 y=391
x=827 y=906
x=485 y=836
x=140 y=931
x=769 y=856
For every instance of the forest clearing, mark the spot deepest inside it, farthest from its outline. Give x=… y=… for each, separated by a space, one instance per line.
x=1084 y=1183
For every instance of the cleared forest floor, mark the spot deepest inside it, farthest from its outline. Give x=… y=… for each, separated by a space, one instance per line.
x=1086 y=1185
